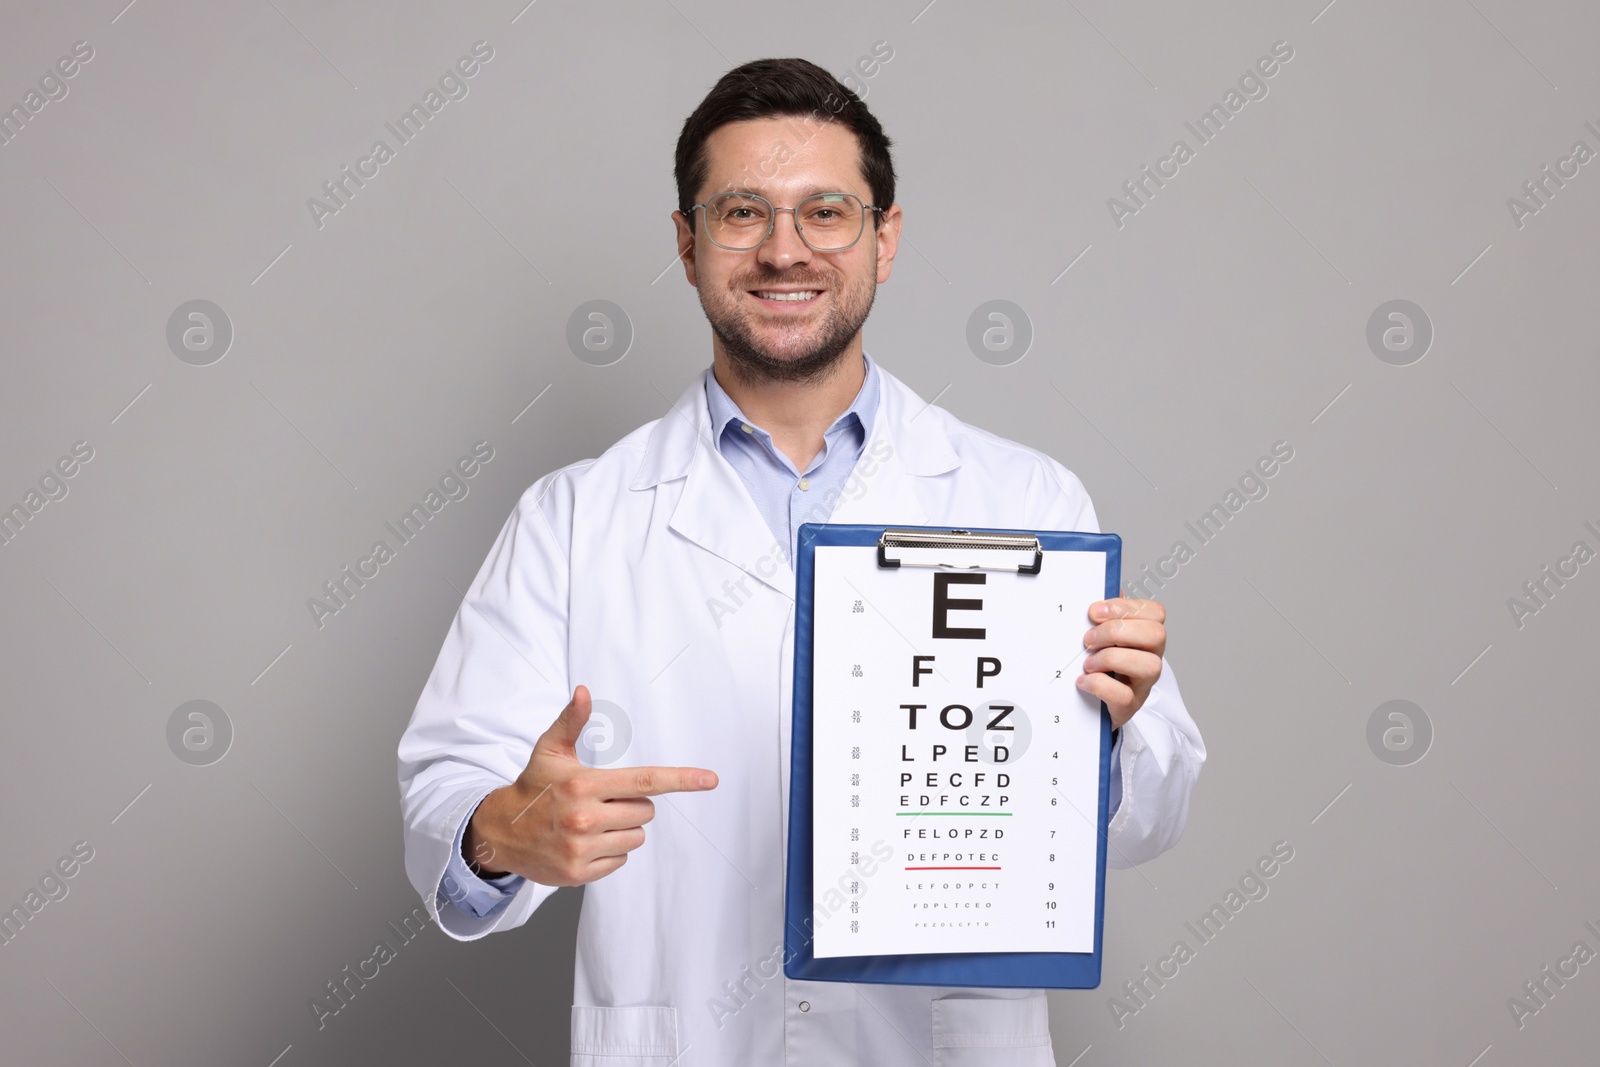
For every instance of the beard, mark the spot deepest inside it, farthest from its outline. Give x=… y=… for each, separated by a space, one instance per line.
x=804 y=352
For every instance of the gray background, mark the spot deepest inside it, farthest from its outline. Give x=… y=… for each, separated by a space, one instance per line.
x=1228 y=314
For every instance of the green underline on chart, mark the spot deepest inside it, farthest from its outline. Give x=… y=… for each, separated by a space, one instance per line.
x=973 y=814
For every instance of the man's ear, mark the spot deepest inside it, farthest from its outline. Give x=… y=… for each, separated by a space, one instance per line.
x=685 y=246
x=888 y=241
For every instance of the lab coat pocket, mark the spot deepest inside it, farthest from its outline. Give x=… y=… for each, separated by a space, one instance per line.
x=992 y=1031
x=624 y=1037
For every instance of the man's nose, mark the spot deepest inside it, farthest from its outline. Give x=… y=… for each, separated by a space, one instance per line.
x=784 y=248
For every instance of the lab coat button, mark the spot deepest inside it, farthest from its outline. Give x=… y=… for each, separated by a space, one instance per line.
x=805 y=1005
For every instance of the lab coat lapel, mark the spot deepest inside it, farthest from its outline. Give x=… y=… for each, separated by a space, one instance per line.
x=908 y=443
x=713 y=509
x=716 y=513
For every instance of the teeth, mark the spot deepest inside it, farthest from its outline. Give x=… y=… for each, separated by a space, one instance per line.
x=769 y=295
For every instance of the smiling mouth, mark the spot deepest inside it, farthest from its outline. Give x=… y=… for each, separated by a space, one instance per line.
x=782 y=296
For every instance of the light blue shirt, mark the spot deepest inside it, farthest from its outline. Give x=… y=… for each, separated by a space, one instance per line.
x=786 y=497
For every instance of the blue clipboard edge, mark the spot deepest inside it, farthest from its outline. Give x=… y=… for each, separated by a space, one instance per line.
x=1032 y=970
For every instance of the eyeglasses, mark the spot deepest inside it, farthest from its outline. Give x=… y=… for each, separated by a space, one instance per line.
x=826 y=222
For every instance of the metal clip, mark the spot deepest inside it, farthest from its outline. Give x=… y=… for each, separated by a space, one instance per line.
x=963 y=541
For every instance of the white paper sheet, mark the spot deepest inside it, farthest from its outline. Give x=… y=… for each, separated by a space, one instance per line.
x=996 y=851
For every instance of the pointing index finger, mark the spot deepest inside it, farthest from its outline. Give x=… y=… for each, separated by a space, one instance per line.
x=653 y=781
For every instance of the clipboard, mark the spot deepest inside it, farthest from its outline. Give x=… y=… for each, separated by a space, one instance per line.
x=1023 y=552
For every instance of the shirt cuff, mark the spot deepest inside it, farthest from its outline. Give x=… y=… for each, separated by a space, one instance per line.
x=1115 y=799
x=478 y=897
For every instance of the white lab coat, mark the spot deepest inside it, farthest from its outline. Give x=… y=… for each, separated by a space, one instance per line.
x=619 y=573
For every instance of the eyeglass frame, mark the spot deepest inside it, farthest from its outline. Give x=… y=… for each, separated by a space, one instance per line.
x=772 y=220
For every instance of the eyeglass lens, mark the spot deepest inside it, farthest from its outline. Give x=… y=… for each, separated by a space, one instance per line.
x=827 y=221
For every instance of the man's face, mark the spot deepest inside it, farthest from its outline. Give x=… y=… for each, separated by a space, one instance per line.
x=765 y=339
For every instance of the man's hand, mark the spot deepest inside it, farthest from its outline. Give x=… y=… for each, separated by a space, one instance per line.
x=1125 y=649
x=562 y=823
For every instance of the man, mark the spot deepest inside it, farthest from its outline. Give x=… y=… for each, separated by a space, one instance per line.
x=658 y=577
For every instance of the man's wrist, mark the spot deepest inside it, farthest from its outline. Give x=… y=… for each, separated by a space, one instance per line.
x=470 y=845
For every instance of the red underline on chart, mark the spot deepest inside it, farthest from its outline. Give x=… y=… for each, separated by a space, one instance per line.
x=952 y=868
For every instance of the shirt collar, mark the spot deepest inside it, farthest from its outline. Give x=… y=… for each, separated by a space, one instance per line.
x=916 y=433
x=724 y=412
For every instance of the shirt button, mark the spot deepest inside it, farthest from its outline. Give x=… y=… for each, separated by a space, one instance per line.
x=805 y=483
x=747 y=428
x=805 y=1005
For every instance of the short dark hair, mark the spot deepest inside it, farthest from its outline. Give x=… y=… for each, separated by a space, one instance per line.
x=768 y=88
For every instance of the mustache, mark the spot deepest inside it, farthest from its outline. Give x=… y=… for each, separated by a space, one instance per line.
x=771 y=282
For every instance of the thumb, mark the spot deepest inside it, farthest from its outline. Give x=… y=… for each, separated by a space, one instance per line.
x=561 y=738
